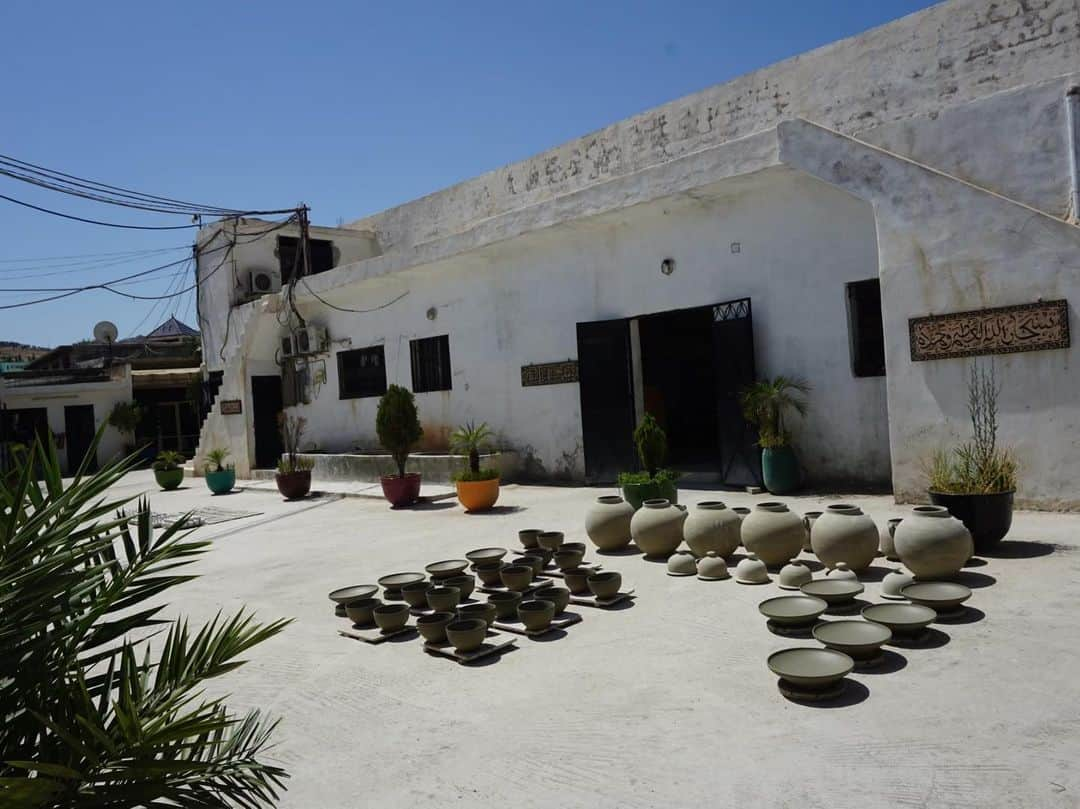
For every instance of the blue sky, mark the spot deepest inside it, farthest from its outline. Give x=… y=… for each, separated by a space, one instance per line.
x=350 y=107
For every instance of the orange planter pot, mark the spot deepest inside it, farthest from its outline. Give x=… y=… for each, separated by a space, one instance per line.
x=478 y=495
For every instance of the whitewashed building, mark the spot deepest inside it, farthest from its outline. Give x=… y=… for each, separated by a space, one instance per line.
x=803 y=219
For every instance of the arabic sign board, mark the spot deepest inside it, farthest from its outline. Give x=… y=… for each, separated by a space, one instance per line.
x=231 y=407
x=1003 y=330
x=549 y=373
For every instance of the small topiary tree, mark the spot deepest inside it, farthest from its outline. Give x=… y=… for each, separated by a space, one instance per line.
x=398 y=425
x=651 y=443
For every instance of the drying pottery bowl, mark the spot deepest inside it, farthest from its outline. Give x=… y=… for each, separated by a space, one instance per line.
x=360 y=611
x=712 y=567
x=482 y=556
x=894 y=582
x=794 y=575
x=545 y=556
x=751 y=570
x=681 y=563
x=447 y=569
x=464 y=583
x=516 y=577
x=559 y=596
x=443 y=599
x=550 y=540
x=489 y=573
x=389 y=617
x=902 y=619
x=536 y=614
x=346 y=594
x=533 y=561
x=395 y=581
x=528 y=536
x=467 y=635
x=860 y=640
x=415 y=594
x=605 y=584
x=574 y=546
x=568 y=558
x=792 y=610
x=577 y=580
x=483 y=610
x=833 y=591
x=813 y=669
x=433 y=626
x=941 y=596
x=505 y=604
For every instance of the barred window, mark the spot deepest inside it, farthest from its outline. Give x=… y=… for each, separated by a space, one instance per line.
x=431 y=364
x=361 y=373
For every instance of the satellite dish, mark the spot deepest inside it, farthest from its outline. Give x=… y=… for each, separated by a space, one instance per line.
x=105 y=332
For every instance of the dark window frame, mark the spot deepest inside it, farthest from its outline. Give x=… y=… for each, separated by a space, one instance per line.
x=372 y=387
x=322 y=255
x=866 y=333
x=430 y=360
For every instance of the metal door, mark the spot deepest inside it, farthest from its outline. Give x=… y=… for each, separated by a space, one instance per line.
x=733 y=358
x=79 y=428
x=606 y=385
x=266 y=403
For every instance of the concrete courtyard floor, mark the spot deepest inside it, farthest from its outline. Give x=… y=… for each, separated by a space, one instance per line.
x=667 y=703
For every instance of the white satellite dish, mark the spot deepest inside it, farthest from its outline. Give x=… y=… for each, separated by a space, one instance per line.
x=105 y=332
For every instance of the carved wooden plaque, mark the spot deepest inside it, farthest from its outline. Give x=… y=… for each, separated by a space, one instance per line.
x=549 y=373
x=231 y=407
x=1003 y=330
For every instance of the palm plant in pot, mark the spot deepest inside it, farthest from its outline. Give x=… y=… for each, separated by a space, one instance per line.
x=652 y=482
x=976 y=480
x=477 y=488
x=398 y=427
x=764 y=405
x=220 y=477
x=169 y=469
x=293 y=476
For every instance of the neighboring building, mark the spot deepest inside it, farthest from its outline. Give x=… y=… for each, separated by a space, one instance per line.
x=792 y=221
x=12 y=367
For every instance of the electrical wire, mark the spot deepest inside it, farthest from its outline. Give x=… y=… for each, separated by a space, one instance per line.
x=355 y=311
x=89 y=256
x=74 y=218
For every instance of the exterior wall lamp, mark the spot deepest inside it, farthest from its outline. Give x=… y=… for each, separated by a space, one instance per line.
x=667 y=266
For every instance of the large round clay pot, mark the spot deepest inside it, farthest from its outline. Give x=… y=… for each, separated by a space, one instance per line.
x=779 y=469
x=773 y=533
x=987 y=517
x=657 y=528
x=294 y=485
x=401 y=490
x=712 y=526
x=607 y=522
x=476 y=495
x=932 y=543
x=844 y=534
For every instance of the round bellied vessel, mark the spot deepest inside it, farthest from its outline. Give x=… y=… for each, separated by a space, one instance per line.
x=712 y=526
x=844 y=534
x=773 y=533
x=932 y=543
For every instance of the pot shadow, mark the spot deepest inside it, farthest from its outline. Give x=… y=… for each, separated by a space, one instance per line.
x=814 y=565
x=625 y=604
x=628 y=550
x=974 y=561
x=930 y=638
x=1021 y=549
x=549 y=636
x=226 y=494
x=892 y=663
x=432 y=498
x=974 y=580
x=656 y=560
x=853 y=607
x=966 y=615
x=425 y=506
x=492 y=659
x=874 y=573
x=404 y=636
x=496 y=511
x=854 y=692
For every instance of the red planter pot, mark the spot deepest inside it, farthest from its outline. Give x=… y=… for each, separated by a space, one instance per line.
x=294 y=485
x=401 y=490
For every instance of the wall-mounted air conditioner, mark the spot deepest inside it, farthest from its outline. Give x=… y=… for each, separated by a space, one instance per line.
x=311 y=340
x=288 y=346
x=263 y=282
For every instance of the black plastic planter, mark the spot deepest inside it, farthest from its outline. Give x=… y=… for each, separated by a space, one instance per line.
x=987 y=517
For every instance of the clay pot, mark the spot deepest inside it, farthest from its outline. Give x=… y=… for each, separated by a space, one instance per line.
x=841 y=573
x=656 y=528
x=811 y=669
x=902 y=619
x=443 y=599
x=577 y=580
x=545 y=556
x=773 y=533
x=605 y=584
x=550 y=540
x=400 y=490
x=568 y=558
x=559 y=596
x=932 y=544
x=489 y=573
x=941 y=596
x=887 y=544
x=751 y=570
x=808 y=523
x=485 y=556
x=607 y=522
x=535 y=562
x=415 y=594
x=505 y=604
x=536 y=614
x=844 y=534
x=390 y=617
x=861 y=640
x=433 y=627
x=361 y=611
x=681 y=563
x=464 y=583
x=712 y=567
x=894 y=582
x=794 y=575
x=792 y=610
x=446 y=569
x=293 y=485
x=712 y=526
x=477 y=495
x=574 y=546
x=516 y=577
x=833 y=591
x=528 y=536
x=485 y=610
x=467 y=635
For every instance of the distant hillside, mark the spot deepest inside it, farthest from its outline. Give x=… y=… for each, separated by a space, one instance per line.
x=13 y=352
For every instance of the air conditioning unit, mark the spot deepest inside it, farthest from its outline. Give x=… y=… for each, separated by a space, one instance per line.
x=288 y=346
x=311 y=340
x=263 y=282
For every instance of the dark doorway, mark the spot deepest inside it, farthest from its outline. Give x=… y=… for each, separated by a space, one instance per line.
x=733 y=360
x=79 y=429
x=266 y=406
x=19 y=427
x=606 y=384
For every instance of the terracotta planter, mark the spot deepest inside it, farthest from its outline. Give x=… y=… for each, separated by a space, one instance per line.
x=987 y=517
x=637 y=493
x=221 y=481
x=844 y=534
x=294 y=485
x=773 y=533
x=712 y=526
x=932 y=543
x=607 y=522
x=169 y=479
x=656 y=528
x=401 y=491
x=475 y=495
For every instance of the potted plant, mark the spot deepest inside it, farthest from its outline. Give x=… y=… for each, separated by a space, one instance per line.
x=764 y=405
x=653 y=482
x=125 y=418
x=976 y=480
x=220 y=478
x=169 y=469
x=398 y=428
x=477 y=489
x=293 y=476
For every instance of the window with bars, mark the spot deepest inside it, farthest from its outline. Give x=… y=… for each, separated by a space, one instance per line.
x=361 y=373
x=288 y=249
x=430 y=364
x=865 y=330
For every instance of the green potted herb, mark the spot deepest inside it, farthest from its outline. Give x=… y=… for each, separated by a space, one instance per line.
x=293 y=476
x=765 y=404
x=169 y=469
x=220 y=478
x=398 y=427
x=653 y=482
x=477 y=488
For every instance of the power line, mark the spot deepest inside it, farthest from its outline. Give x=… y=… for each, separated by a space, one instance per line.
x=92 y=255
x=98 y=221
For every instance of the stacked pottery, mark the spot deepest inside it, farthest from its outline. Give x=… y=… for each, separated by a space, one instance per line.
x=773 y=533
x=844 y=534
x=887 y=545
x=932 y=544
x=712 y=526
x=607 y=522
x=657 y=527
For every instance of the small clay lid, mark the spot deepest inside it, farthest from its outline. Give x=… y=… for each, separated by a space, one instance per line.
x=794 y=575
x=939 y=595
x=841 y=572
x=681 y=563
x=446 y=568
x=344 y=595
x=485 y=555
x=752 y=570
x=395 y=581
x=712 y=567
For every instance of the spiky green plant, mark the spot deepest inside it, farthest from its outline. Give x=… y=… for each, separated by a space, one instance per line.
x=291 y=429
x=398 y=424
x=168 y=460
x=766 y=402
x=650 y=440
x=215 y=459
x=93 y=712
x=470 y=438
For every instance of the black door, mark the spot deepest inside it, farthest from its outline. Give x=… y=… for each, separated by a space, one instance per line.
x=79 y=428
x=19 y=428
x=733 y=360
x=607 y=398
x=266 y=404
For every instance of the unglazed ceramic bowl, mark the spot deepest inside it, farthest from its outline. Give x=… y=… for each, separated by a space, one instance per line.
x=681 y=563
x=859 y=639
x=574 y=546
x=550 y=540
x=834 y=591
x=527 y=537
x=841 y=573
x=505 y=604
x=443 y=599
x=483 y=556
x=566 y=558
x=390 y=617
x=516 y=577
x=751 y=570
x=447 y=568
x=467 y=635
x=792 y=610
x=346 y=594
x=530 y=560
x=536 y=614
x=465 y=583
x=360 y=611
x=489 y=573
x=433 y=626
x=942 y=596
x=794 y=575
x=545 y=555
x=902 y=619
x=814 y=669
x=485 y=610
x=395 y=581
x=577 y=580
x=559 y=596
x=605 y=584
x=415 y=594
x=712 y=567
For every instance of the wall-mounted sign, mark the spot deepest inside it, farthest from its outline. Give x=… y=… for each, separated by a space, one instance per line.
x=1003 y=330
x=549 y=373
x=231 y=407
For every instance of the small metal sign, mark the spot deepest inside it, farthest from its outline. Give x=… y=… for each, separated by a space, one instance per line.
x=549 y=373
x=1001 y=330
x=231 y=407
